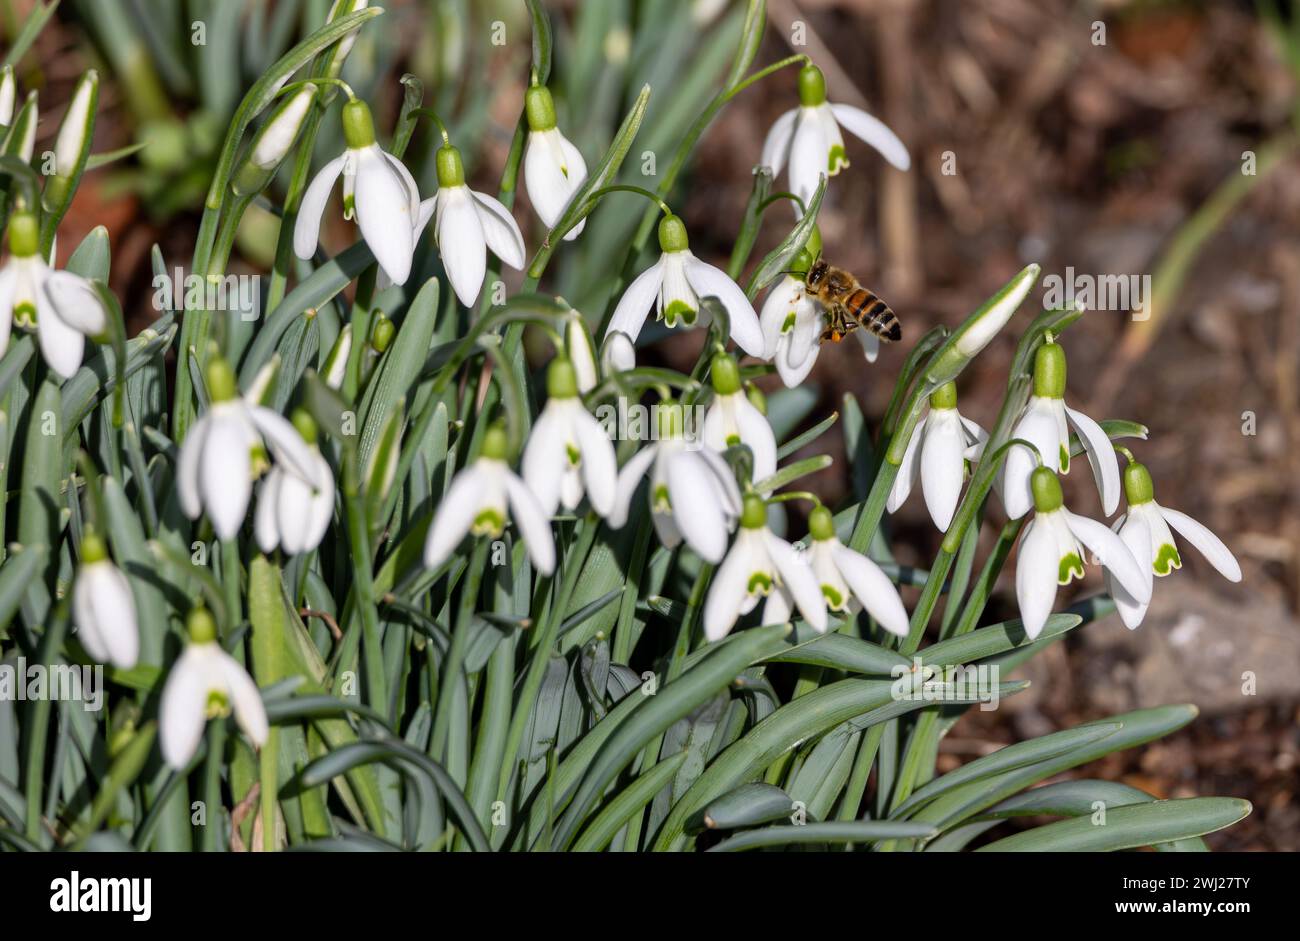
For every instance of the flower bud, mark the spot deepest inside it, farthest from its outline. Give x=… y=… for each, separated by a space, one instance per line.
x=200 y=624
x=273 y=142
x=8 y=95
x=340 y=9
x=619 y=354
x=382 y=333
x=21 y=140
x=336 y=363
x=578 y=345
x=72 y=147
x=981 y=327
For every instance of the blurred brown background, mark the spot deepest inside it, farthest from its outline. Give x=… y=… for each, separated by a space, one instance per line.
x=1110 y=137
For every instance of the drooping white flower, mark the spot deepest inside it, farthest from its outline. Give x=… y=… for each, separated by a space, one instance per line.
x=849 y=580
x=809 y=137
x=377 y=189
x=617 y=354
x=1046 y=423
x=292 y=513
x=760 y=563
x=733 y=419
x=553 y=168
x=568 y=451
x=792 y=324
x=675 y=284
x=61 y=307
x=1145 y=530
x=476 y=503
x=466 y=224
x=1054 y=547
x=936 y=454
x=103 y=608
x=227 y=448
x=206 y=683
x=693 y=494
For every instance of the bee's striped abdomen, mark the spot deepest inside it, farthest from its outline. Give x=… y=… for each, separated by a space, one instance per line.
x=874 y=314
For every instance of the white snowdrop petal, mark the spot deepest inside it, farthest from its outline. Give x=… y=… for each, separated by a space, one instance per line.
x=286 y=445
x=778 y=607
x=707 y=281
x=83 y=616
x=500 y=230
x=61 y=344
x=695 y=505
x=266 y=529
x=871 y=130
x=1113 y=554
x=1208 y=544
x=548 y=188
x=385 y=213
x=809 y=151
x=463 y=501
x=245 y=699
x=1136 y=535
x=943 y=465
x=1038 y=427
x=777 y=143
x=187 y=467
x=777 y=308
x=114 y=613
x=532 y=524
x=225 y=479
x=306 y=230
x=1101 y=457
x=910 y=468
x=599 y=464
x=182 y=709
x=728 y=591
x=629 y=315
x=628 y=478
x=8 y=279
x=545 y=457
x=1036 y=571
x=461 y=242
x=797 y=576
x=724 y=480
x=757 y=433
x=293 y=514
x=76 y=302
x=873 y=589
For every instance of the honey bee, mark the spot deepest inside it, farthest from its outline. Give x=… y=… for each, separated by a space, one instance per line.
x=849 y=305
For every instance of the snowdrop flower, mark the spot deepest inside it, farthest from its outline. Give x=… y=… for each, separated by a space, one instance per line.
x=1053 y=549
x=759 y=563
x=103 y=608
x=792 y=324
x=693 y=494
x=849 y=580
x=63 y=308
x=476 y=504
x=936 y=454
x=206 y=683
x=553 y=168
x=675 y=285
x=8 y=95
x=292 y=513
x=466 y=224
x=1046 y=423
x=732 y=419
x=1145 y=530
x=227 y=448
x=809 y=137
x=618 y=354
x=377 y=189
x=568 y=452
x=581 y=351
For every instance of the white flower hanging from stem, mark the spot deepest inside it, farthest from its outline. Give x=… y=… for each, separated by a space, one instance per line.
x=937 y=454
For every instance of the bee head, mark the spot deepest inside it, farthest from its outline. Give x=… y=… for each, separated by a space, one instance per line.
x=817 y=273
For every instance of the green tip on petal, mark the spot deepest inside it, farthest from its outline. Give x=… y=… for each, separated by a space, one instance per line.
x=945 y=396
x=358 y=125
x=754 y=513
x=1049 y=371
x=305 y=424
x=496 y=443
x=222 y=386
x=1138 y=487
x=93 y=549
x=821 y=524
x=1046 y=488
x=725 y=374
x=672 y=234
x=539 y=106
x=24 y=234
x=812 y=86
x=202 y=627
x=451 y=170
x=561 y=379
